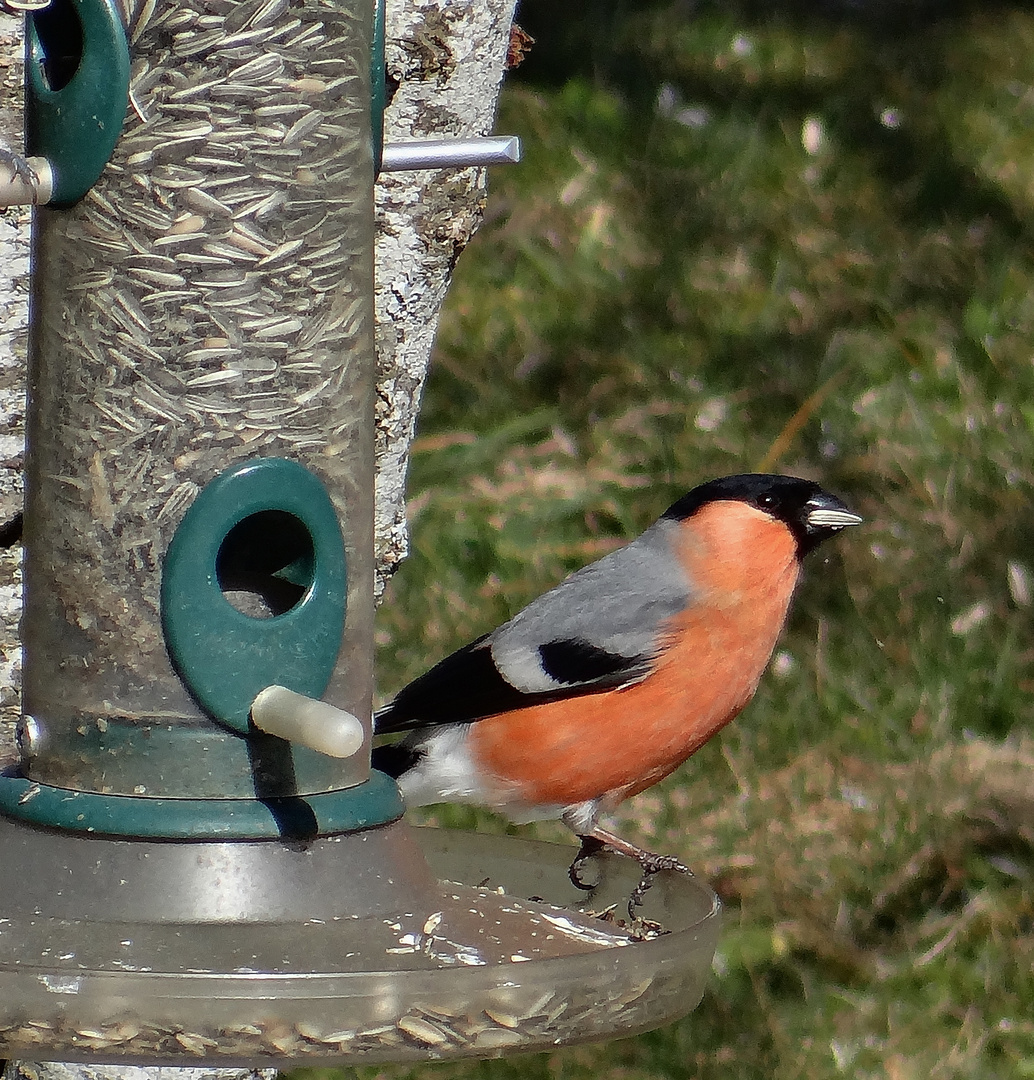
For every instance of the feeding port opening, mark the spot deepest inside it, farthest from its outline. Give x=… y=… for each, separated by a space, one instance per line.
x=265 y=564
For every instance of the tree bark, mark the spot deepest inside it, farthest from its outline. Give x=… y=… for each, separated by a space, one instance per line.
x=14 y=317
x=448 y=61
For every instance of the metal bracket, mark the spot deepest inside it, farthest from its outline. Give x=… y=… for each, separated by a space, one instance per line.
x=451 y=153
x=72 y=129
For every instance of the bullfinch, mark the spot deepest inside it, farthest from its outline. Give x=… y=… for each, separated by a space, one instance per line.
x=609 y=681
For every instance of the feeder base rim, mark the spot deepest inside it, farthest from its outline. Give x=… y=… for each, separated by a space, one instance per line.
x=377 y=801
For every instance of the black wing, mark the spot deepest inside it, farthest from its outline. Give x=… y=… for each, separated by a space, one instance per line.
x=468 y=686
x=600 y=628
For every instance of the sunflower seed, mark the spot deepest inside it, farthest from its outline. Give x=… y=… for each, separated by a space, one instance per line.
x=423 y=1031
x=199 y=199
x=261 y=69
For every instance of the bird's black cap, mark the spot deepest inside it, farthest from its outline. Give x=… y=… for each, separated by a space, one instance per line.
x=811 y=514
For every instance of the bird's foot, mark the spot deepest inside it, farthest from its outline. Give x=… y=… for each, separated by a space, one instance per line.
x=650 y=862
x=590 y=847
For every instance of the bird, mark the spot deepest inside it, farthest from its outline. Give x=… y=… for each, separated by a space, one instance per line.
x=609 y=681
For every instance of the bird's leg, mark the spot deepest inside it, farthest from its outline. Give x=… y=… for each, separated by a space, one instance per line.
x=650 y=862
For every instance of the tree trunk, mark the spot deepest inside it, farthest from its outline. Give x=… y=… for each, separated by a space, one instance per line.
x=448 y=61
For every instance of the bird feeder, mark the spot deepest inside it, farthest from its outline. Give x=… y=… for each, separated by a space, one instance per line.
x=207 y=867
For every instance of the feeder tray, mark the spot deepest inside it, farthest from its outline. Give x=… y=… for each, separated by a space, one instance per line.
x=492 y=952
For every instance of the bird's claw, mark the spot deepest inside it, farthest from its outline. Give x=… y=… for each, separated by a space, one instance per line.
x=590 y=847
x=18 y=167
x=652 y=864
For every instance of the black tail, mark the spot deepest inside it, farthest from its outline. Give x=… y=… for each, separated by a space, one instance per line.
x=395 y=758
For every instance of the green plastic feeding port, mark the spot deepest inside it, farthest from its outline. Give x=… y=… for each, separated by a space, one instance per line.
x=77 y=90
x=253 y=589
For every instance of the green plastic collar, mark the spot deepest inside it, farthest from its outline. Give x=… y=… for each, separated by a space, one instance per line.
x=224 y=656
x=378 y=90
x=375 y=802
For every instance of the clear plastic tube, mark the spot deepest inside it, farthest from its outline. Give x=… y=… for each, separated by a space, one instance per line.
x=209 y=301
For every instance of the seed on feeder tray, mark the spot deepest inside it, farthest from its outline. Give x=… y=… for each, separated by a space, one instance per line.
x=304 y=127
x=284 y=327
x=309 y=1031
x=502 y=1019
x=246 y=37
x=249 y=243
x=193 y=1044
x=178 y=239
x=273 y=133
x=154 y=277
x=187 y=131
x=190 y=44
x=307 y=86
x=286 y=1043
x=261 y=69
x=197 y=89
x=308 y=39
x=268 y=12
x=338 y=1037
x=244 y=1029
x=282 y=252
x=94 y=280
x=423 y=1031
x=439 y=1014
x=497 y=1039
x=229 y=278
x=229 y=252
x=202 y=201
x=264 y=207
x=178 y=20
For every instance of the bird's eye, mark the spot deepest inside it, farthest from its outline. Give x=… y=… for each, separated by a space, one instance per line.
x=766 y=500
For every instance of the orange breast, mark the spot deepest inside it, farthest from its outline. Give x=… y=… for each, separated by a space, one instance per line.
x=616 y=743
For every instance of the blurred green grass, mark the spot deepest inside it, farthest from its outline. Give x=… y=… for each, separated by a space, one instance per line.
x=747 y=237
